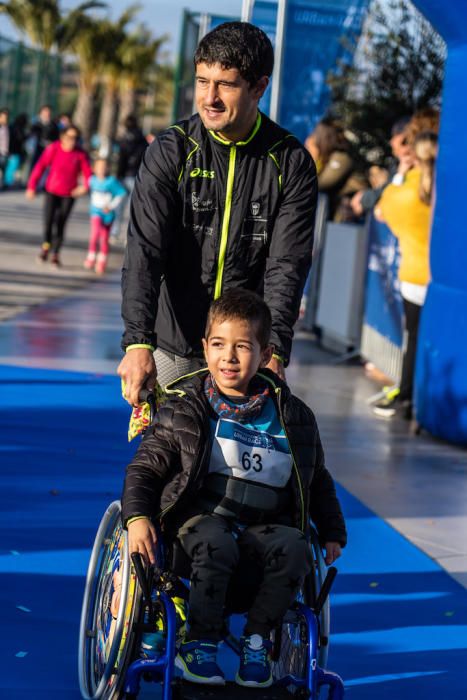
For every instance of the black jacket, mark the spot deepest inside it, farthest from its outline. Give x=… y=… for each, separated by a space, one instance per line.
x=132 y=147
x=169 y=467
x=208 y=215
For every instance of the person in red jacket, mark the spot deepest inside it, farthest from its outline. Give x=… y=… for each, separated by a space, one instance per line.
x=67 y=164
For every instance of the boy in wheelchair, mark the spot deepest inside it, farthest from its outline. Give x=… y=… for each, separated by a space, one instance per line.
x=233 y=464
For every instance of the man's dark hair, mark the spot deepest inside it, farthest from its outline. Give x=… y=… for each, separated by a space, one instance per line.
x=242 y=305
x=238 y=45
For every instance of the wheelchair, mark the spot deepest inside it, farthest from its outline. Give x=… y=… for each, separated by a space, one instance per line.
x=110 y=667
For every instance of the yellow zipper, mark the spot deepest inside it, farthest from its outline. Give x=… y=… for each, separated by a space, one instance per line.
x=225 y=222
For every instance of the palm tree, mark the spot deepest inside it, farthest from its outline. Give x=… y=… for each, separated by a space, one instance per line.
x=138 y=55
x=112 y=68
x=48 y=28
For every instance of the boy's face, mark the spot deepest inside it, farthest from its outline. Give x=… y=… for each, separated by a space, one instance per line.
x=234 y=355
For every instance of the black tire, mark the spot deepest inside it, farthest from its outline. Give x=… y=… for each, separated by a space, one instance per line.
x=106 y=643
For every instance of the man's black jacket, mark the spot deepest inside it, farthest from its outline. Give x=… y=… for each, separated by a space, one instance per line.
x=169 y=467
x=208 y=215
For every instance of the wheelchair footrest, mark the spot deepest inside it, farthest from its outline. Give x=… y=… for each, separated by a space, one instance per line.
x=231 y=691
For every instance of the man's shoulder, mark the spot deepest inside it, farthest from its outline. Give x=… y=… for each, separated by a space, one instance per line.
x=185 y=130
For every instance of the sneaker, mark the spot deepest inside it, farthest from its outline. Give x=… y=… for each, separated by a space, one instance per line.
x=390 y=407
x=197 y=661
x=101 y=264
x=255 y=662
x=90 y=261
x=55 y=260
x=44 y=252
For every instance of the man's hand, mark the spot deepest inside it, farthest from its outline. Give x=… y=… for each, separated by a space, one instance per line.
x=142 y=538
x=333 y=552
x=138 y=370
x=30 y=193
x=356 y=202
x=276 y=366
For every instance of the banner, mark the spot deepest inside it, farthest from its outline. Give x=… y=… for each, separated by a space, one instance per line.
x=313 y=45
x=264 y=16
x=383 y=301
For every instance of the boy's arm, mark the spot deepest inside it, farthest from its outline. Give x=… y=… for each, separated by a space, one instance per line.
x=325 y=509
x=156 y=457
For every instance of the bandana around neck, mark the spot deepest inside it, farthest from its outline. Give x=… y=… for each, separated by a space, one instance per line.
x=239 y=412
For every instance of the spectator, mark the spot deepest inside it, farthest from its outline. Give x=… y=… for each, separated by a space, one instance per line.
x=406 y=209
x=330 y=150
x=131 y=148
x=364 y=200
x=106 y=194
x=66 y=163
x=64 y=121
x=4 y=142
x=222 y=200
x=18 y=137
x=43 y=132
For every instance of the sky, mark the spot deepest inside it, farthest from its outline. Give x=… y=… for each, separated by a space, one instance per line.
x=160 y=17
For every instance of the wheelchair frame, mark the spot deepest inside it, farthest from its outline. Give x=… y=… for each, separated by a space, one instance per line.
x=108 y=667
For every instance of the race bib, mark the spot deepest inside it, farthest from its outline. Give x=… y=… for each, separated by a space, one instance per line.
x=244 y=453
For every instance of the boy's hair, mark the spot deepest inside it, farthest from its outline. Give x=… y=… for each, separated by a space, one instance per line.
x=238 y=45
x=242 y=305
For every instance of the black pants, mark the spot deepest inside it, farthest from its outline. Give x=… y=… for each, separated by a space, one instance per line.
x=56 y=212
x=214 y=548
x=412 y=322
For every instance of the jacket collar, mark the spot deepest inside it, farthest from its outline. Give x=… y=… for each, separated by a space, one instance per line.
x=246 y=141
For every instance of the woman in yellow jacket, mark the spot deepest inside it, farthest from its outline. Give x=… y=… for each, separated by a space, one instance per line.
x=406 y=209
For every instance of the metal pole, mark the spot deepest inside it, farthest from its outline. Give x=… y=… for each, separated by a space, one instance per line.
x=274 y=111
x=247 y=10
x=180 y=67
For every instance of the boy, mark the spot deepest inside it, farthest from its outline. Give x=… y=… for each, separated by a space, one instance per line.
x=106 y=195
x=233 y=463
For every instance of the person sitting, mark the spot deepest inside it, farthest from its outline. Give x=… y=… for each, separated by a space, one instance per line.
x=233 y=463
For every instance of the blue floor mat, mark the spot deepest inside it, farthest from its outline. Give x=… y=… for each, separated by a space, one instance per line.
x=399 y=622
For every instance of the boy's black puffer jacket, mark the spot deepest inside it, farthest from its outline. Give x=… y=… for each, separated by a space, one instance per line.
x=168 y=468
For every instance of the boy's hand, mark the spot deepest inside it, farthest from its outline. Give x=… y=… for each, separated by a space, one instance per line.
x=142 y=538
x=333 y=552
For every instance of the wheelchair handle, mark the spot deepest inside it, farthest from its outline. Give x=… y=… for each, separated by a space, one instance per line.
x=147 y=396
x=325 y=590
x=143 y=580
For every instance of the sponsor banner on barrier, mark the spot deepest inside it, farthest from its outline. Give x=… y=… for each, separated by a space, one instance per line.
x=315 y=33
x=383 y=301
x=264 y=16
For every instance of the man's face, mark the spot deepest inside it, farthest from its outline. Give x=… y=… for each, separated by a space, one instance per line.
x=225 y=101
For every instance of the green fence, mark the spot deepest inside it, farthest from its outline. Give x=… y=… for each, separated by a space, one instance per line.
x=28 y=78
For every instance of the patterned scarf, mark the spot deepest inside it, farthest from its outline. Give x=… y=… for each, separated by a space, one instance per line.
x=240 y=412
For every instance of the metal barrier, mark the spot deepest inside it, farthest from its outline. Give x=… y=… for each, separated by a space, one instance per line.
x=28 y=77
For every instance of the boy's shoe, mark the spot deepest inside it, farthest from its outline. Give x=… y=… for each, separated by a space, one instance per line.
x=44 y=253
x=197 y=661
x=390 y=407
x=255 y=662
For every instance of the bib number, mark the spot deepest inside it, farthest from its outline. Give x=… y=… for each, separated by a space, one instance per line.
x=252 y=461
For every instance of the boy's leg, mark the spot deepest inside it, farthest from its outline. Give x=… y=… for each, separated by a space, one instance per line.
x=209 y=542
x=286 y=558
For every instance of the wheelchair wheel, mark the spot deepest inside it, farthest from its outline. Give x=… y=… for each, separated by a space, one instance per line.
x=292 y=656
x=313 y=584
x=111 y=606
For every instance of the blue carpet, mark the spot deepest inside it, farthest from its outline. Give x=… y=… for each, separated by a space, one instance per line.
x=399 y=622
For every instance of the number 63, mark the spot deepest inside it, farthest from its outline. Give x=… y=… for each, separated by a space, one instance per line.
x=247 y=464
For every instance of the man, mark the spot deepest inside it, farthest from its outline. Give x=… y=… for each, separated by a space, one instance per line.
x=44 y=131
x=364 y=201
x=4 y=143
x=224 y=199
